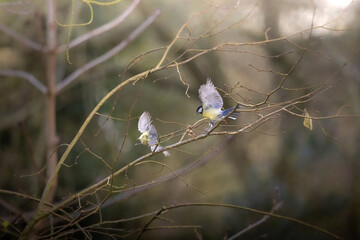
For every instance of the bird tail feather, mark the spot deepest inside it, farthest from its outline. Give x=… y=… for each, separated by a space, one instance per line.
x=166 y=153
x=234 y=115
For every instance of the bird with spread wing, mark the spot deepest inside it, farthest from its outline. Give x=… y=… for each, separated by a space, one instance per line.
x=212 y=104
x=149 y=136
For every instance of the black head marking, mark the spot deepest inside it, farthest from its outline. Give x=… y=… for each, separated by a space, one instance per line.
x=199 y=110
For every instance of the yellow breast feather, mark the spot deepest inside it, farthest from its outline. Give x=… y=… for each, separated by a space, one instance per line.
x=212 y=113
x=144 y=138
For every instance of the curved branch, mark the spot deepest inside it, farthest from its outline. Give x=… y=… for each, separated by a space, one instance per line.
x=68 y=80
x=104 y=28
x=164 y=209
x=21 y=38
x=257 y=223
x=27 y=76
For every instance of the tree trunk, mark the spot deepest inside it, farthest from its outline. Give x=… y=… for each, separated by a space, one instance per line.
x=50 y=115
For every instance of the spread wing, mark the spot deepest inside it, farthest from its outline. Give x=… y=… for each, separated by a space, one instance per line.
x=153 y=137
x=209 y=96
x=144 y=123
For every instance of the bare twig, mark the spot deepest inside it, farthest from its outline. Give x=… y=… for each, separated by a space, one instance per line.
x=158 y=213
x=174 y=40
x=105 y=223
x=257 y=223
x=164 y=209
x=254 y=211
x=174 y=173
x=27 y=76
x=68 y=80
x=21 y=38
x=182 y=80
x=104 y=28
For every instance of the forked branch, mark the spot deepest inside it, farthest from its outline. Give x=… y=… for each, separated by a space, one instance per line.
x=132 y=36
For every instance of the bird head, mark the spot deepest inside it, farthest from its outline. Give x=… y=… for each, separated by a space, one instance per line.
x=199 y=110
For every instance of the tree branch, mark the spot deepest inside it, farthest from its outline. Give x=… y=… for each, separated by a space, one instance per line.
x=104 y=28
x=126 y=194
x=27 y=76
x=166 y=208
x=257 y=223
x=68 y=80
x=21 y=38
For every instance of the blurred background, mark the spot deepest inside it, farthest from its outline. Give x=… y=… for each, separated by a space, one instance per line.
x=316 y=173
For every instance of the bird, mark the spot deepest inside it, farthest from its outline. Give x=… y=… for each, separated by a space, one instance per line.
x=212 y=104
x=149 y=136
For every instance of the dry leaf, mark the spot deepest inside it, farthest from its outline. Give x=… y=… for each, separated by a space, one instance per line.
x=307 y=121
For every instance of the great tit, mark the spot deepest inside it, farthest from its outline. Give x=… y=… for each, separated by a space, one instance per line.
x=149 y=136
x=212 y=104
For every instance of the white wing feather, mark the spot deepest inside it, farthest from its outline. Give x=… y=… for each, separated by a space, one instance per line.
x=153 y=137
x=144 y=123
x=209 y=96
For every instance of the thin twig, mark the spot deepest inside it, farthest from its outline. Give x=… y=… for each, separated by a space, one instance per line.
x=164 y=208
x=102 y=29
x=257 y=223
x=21 y=38
x=72 y=231
x=25 y=75
x=68 y=80
x=174 y=40
x=182 y=80
x=174 y=173
x=149 y=222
